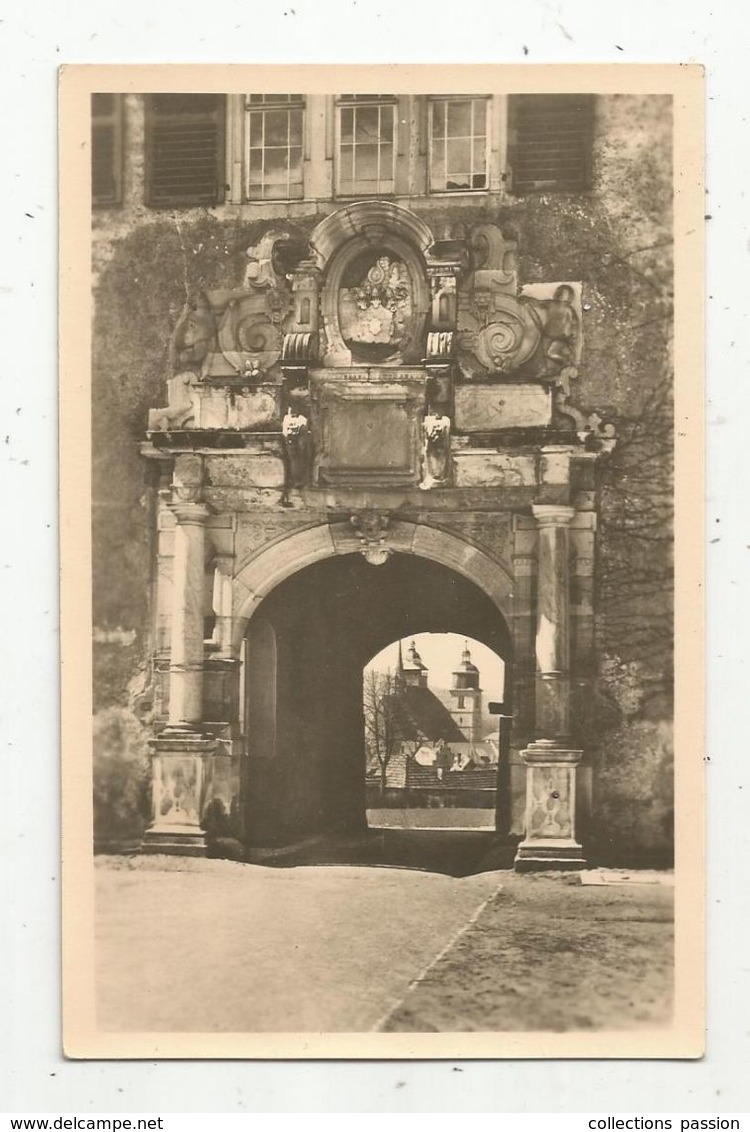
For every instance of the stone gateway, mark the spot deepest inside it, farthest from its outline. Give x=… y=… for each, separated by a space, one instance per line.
x=384 y=414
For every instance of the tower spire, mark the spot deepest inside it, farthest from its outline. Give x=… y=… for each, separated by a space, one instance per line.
x=400 y=680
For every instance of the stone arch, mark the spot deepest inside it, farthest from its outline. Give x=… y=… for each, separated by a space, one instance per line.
x=373 y=220
x=281 y=559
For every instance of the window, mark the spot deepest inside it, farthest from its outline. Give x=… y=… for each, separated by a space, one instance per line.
x=274 y=146
x=550 y=140
x=458 y=144
x=461 y=701
x=366 y=144
x=106 y=149
x=185 y=149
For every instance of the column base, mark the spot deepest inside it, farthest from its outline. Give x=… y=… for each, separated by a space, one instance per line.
x=180 y=841
x=547 y=853
x=550 y=841
x=181 y=763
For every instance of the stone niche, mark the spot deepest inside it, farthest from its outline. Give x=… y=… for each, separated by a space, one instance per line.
x=366 y=425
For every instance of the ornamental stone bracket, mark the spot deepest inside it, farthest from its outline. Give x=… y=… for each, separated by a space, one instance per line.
x=595 y=432
x=371 y=530
x=298 y=353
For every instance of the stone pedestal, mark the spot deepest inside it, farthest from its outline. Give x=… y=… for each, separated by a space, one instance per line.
x=551 y=760
x=181 y=773
x=550 y=841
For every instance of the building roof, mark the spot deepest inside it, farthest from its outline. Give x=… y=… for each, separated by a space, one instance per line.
x=420 y=714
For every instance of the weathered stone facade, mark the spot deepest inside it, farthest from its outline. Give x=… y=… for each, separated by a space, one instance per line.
x=417 y=396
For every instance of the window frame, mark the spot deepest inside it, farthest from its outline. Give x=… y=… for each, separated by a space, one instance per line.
x=353 y=102
x=432 y=100
x=272 y=102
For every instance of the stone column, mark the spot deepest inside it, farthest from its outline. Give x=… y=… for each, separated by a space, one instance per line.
x=552 y=622
x=186 y=649
x=551 y=762
x=181 y=762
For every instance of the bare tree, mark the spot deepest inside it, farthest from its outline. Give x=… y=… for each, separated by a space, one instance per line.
x=383 y=732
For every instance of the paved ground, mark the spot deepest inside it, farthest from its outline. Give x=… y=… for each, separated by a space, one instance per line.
x=454 y=817
x=217 y=945
x=548 y=953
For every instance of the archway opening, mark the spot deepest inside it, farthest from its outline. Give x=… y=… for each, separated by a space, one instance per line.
x=433 y=755
x=311 y=639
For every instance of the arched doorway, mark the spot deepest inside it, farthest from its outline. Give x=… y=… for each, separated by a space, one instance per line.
x=317 y=629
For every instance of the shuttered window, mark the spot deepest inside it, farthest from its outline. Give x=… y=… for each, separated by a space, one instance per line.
x=550 y=140
x=185 y=149
x=106 y=149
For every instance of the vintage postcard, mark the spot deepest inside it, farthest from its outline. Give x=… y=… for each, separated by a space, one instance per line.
x=381 y=469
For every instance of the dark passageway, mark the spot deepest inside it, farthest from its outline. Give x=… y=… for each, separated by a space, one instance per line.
x=310 y=640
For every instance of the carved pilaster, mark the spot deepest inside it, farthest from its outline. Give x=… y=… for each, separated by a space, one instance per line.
x=222 y=603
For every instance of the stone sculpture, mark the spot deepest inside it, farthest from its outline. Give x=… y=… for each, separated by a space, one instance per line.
x=194 y=337
x=296 y=433
x=179 y=410
x=371 y=528
x=436 y=456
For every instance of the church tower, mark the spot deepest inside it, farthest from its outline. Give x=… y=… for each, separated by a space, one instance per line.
x=411 y=672
x=466 y=698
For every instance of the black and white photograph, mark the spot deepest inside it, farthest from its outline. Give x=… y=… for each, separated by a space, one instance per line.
x=372 y=550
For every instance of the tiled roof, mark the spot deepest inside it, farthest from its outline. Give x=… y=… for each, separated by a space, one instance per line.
x=419 y=713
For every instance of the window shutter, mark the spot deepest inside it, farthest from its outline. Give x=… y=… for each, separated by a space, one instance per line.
x=185 y=149
x=106 y=149
x=550 y=138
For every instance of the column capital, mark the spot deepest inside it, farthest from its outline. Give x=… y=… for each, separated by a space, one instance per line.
x=552 y=514
x=190 y=512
